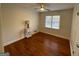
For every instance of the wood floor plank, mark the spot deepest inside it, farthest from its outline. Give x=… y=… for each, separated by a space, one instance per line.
x=40 y=44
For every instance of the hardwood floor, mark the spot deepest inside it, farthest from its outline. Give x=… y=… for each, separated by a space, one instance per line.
x=40 y=44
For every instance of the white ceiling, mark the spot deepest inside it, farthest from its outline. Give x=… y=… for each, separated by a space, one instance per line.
x=60 y=6
x=51 y=6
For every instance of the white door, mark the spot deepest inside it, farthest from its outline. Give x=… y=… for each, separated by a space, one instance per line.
x=75 y=32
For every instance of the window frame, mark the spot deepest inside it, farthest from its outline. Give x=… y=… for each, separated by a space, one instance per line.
x=51 y=22
x=45 y=23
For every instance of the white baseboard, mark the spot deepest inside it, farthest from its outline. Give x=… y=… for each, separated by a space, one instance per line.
x=58 y=36
x=12 y=41
x=9 y=42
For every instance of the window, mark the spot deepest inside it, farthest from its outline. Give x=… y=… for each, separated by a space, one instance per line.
x=52 y=22
x=48 y=21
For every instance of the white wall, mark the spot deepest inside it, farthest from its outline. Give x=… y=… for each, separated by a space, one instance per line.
x=75 y=32
x=13 y=22
x=65 y=23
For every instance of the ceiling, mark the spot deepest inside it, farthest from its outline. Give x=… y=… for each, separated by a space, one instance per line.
x=51 y=6
x=60 y=6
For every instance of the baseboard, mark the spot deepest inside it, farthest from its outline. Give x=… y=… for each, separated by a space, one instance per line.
x=10 y=42
x=57 y=35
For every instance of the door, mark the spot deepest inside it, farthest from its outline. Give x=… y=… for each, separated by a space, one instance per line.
x=75 y=32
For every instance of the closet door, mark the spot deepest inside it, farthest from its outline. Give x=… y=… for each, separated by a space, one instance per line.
x=75 y=32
